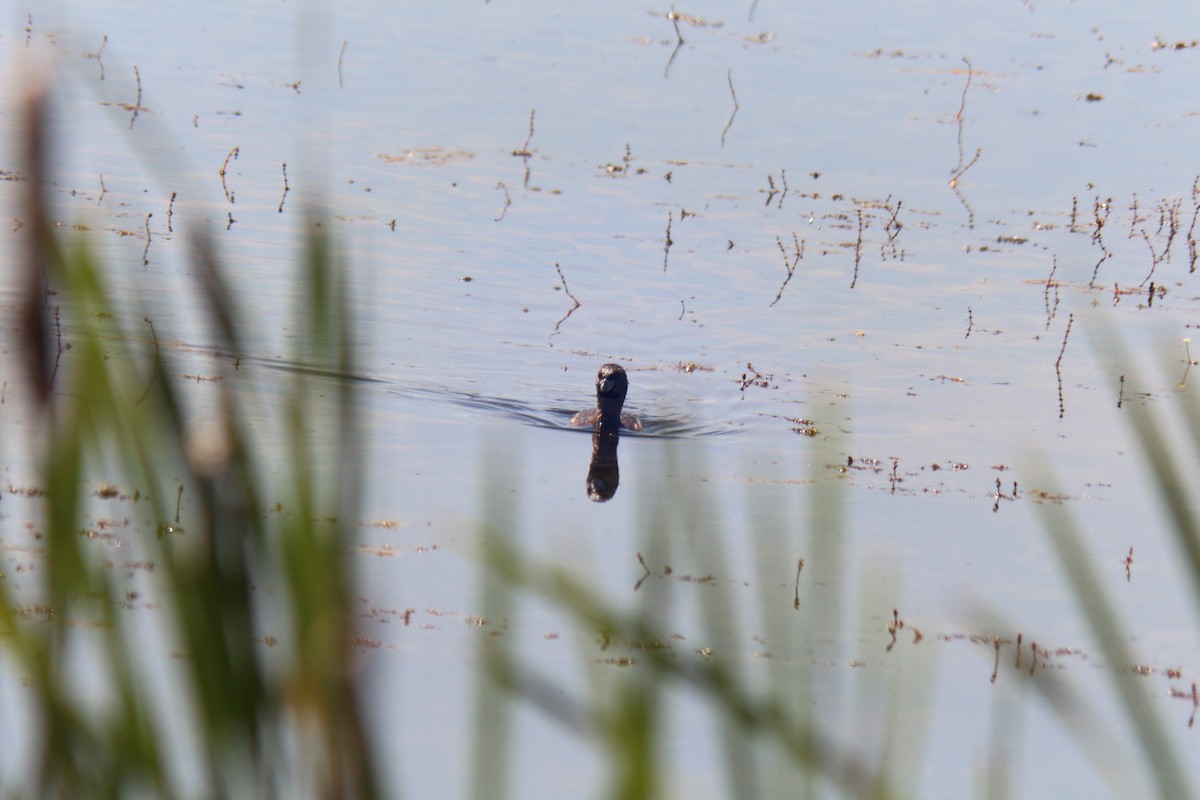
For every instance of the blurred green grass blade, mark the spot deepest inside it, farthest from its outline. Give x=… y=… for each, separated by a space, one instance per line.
x=1157 y=749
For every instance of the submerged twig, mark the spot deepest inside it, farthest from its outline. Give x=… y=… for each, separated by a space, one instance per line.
x=341 y=55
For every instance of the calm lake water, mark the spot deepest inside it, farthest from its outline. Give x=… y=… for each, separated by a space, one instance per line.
x=885 y=251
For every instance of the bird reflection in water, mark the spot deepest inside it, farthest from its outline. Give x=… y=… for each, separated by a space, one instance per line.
x=608 y=418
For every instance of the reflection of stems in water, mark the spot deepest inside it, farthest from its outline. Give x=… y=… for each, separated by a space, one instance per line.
x=97 y=55
x=1051 y=284
x=1155 y=258
x=154 y=374
x=574 y=300
x=729 y=124
x=892 y=229
x=146 y=249
x=1121 y=393
x=642 y=579
x=963 y=165
x=171 y=212
x=857 y=249
x=341 y=55
x=796 y=595
x=789 y=265
x=772 y=191
x=970 y=322
x=996 y=666
x=1188 y=364
x=231 y=156
x=59 y=351
x=959 y=119
x=285 y=188
x=137 y=103
x=1062 y=410
x=1191 y=234
x=525 y=153
x=674 y=17
x=667 y=244
x=507 y=201
x=103 y=190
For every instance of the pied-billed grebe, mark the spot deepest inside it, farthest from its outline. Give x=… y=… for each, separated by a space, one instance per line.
x=611 y=385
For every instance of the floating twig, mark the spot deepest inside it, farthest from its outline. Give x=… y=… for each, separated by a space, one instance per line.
x=788 y=264
x=796 y=595
x=170 y=212
x=970 y=322
x=1129 y=566
x=1062 y=409
x=231 y=156
x=285 y=187
x=103 y=190
x=1121 y=393
x=736 y=107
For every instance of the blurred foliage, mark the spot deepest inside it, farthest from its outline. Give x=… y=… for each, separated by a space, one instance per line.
x=232 y=715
